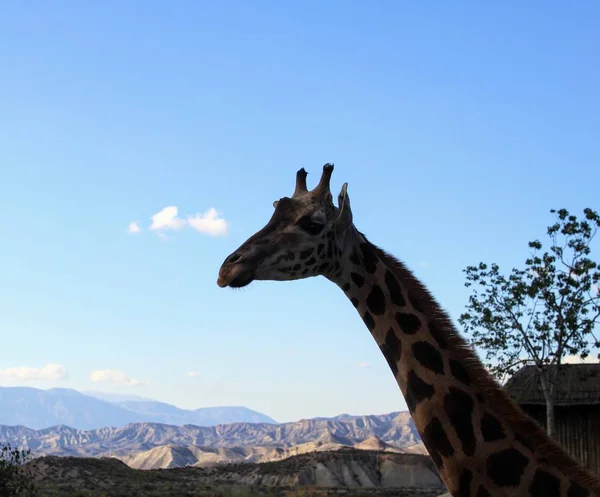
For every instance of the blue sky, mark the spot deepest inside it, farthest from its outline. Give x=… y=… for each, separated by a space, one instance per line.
x=457 y=126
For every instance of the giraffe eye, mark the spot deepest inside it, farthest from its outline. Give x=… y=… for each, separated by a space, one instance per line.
x=308 y=225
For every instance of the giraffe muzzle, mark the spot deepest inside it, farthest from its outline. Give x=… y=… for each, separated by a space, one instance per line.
x=234 y=276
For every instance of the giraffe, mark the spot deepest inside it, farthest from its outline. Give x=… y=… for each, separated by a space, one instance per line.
x=481 y=443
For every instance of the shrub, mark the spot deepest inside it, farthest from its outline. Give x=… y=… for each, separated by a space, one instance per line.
x=15 y=477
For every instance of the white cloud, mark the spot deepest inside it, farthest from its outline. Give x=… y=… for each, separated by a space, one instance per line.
x=194 y=374
x=114 y=376
x=575 y=359
x=49 y=372
x=209 y=223
x=362 y=364
x=167 y=219
x=423 y=264
x=134 y=227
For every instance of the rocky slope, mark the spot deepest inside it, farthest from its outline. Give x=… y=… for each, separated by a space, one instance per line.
x=173 y=456
x=395 y=429
x=344 y=468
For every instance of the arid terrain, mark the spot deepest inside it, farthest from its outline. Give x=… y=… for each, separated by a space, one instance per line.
x=176 y=456
x=346 y=471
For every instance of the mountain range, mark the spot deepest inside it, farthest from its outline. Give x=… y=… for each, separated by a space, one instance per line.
x=64 y=422
x=394 y=429
x=39 y=409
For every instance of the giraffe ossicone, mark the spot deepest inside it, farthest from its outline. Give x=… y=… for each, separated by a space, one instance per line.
x=481 y=443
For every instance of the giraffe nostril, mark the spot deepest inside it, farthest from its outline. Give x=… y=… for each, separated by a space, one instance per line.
x=233 y=258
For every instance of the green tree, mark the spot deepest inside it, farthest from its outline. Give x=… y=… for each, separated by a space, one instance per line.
x=15 y=478
x=543 y=312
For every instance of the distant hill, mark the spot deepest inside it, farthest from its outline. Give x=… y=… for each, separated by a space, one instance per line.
x=113 y=398
x=35 y=408
x=39 y=409
x=159 y=412
x=353 y=470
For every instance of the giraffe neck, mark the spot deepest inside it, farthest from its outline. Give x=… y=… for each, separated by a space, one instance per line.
x=481 y=443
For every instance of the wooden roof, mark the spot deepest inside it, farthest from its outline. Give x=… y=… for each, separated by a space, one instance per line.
x=576 y=384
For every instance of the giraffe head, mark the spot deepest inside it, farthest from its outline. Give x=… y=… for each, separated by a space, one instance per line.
x=304 y=237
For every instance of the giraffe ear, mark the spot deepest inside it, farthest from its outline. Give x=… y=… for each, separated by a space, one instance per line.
x=275 y=203
x=345 y=215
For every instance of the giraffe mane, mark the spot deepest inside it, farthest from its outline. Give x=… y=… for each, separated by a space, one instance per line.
x=523 y=425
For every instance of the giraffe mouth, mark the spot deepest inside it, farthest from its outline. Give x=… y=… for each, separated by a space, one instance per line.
x=235 y=277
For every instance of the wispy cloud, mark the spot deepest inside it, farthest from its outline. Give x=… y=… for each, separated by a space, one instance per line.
x=194 y=374
x=49 y=372
x=115 y=377
x=134 y=227
x=362 y=364
x=423 y=263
